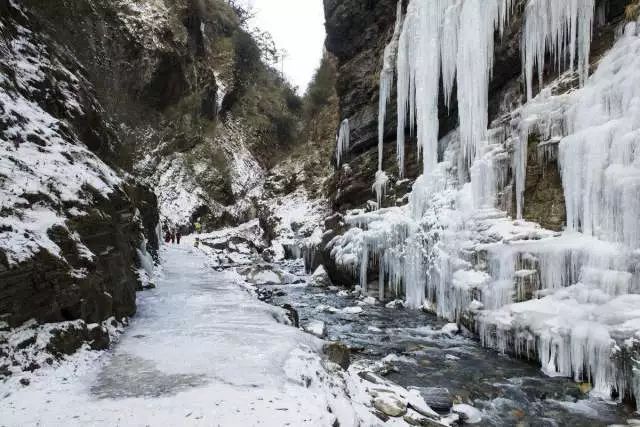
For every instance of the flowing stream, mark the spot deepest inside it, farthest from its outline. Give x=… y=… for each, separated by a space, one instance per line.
x=508 y=391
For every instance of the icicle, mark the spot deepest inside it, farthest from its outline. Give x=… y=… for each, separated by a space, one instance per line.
x=521 y=151
x=463 y=50
x=600 y=159
x=402 y=95
x=342 y=145
x=475 y=61
x=561 y=28
x=380 y=186
x=145 y=258
x=386 y=81
x=449 y=49
x=364 y=266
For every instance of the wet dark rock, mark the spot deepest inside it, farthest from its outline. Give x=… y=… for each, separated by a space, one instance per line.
x=31 y=367
x=25 y=381
x=67 y=340
x=26 y=343
x=338 y=353
x=5 y=371
x=368 y=376
x=544 y=194
x=99 y=338
x=438 y=399
x=148 y=286
x=264 y=294
x=292 y=314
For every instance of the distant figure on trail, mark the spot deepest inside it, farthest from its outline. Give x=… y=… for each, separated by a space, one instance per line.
x=197 y=242
x=198 y=227
x=178 y=236
x=173 y=237
x=167 y=237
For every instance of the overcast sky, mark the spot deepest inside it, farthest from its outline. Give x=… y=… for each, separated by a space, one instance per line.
x=297 y=26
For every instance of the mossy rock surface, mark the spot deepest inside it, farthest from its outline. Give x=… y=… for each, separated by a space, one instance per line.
x=544 y=195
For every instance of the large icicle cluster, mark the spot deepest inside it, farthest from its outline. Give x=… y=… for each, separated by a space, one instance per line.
x=561 y=28
x=386 y=85
x=570 y=299
x=442 y=40
x=576 y=298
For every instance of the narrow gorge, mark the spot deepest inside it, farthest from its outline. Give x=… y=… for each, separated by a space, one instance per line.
x=442 y=228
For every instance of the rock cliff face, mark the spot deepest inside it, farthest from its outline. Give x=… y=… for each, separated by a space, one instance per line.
x=70 y=225
x=197 y=110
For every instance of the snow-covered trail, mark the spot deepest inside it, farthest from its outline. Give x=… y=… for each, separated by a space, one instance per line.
x=201 y=351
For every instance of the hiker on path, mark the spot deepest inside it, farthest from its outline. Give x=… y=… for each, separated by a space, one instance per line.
x=173 y=237
x=178 y=236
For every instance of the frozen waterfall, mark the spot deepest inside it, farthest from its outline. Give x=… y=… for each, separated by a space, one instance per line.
x=568 y=299
x=343 y=141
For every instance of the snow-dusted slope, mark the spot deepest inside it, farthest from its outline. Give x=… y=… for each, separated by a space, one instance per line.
x=225 y=185
x=70 y=224
x=47 y=172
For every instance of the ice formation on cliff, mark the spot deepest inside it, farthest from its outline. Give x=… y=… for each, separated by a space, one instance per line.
x=433 y=45
x=343 y=141
x=570 y=299
x=386 y=80
x=560 y=28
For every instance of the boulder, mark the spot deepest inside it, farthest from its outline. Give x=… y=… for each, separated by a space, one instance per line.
x=390 y=404
x=439 y=399
x=263 y=275
x=98 y=336
x=67 y=339
x=320 y=278
x=467 y=413
x=317 y=328
x=338 y=353
x=352 y=310
x=292 y=314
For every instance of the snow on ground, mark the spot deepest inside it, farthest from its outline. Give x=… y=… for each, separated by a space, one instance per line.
x=201 y=351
